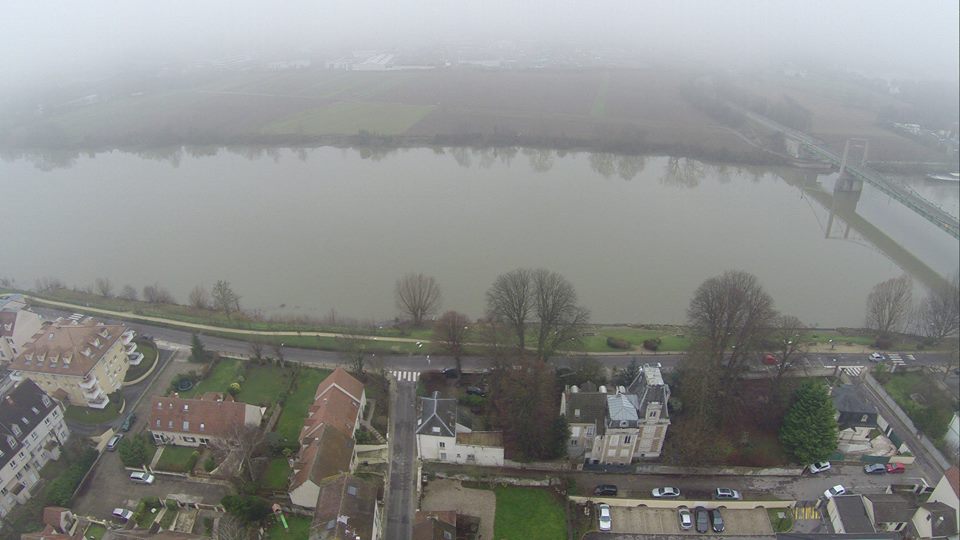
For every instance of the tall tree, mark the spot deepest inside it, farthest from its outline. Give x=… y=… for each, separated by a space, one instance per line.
x=354 y=347
x=199 y=298
x=526 y=403
x=451 y=330
x=128 y=293
x=224 y=297
x=888 y=305
x=155 y=294
x=625 y=376
x=256 y=350
x=939 y=312
x=245 y=441
x=729 y=315
x=809 y=430
x=786 y=337
x=198 y=353
x=510 y=302
x=418 y=296
x=104 y=287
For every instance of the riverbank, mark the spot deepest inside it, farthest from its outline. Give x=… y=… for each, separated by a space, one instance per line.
x=598 y=339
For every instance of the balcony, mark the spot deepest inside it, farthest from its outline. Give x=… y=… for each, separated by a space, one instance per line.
x=99 y=403
x=130 y=349
x=135 y=358
x=128 y=336
x=93 y=393
x=89 y=382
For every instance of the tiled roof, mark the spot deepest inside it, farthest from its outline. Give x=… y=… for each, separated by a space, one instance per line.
x=8 y=320
x=22 y=409
x=953 y=477
x=441 y=525
x=346 y=382
x=334 y=408
x=891 y=508
x=438 y=416
x=196 y=416
x=943 y=518
x=328 y=454
x=67 y=348
x=481 y=438
x=345 y=510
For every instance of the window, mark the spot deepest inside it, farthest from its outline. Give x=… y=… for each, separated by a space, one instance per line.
x=652 y=414
x=443 y=444
x=45 y=400
x=574 y=442
x=46 y=421
x=576 y=412
x=863 y=418
x=33 y=436
x=186 y=425
x=626 y=439
x=589 y=431
x=443 y=456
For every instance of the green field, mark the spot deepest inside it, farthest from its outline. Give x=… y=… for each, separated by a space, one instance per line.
x=175 y=458
x=298 y=402
x=348 y=117
x=528 y=514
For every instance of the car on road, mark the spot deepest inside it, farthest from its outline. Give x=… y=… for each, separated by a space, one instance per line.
x=476 y=391
x=122 y=514
x=819 y=467
x=603 y=511
x=665 y=493
x=686 y=519
x=726 y=493
x=451 y=373
x=877 y=357
x=703 y=519
x=834 y=491
x=141 y=477
x=716 y=520
x=605 y=489
x=896 y=468
x=875 y=468
x=128 y=422
x=114 y=442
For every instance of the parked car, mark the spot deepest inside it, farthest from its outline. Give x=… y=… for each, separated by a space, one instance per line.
x=604 y=512
x=114 y=442
x=896 y=468
x=451 y=373
x=834 y=491
x=703 y=519
x=128 y=422
x=819 y=467
x=877 y=357
x=141 y=477
x=122 y=514
x=686 y=519
x=874 y=468
x=476 y=391
x=605 y=489
x=726 y=493
x=716 y=520
x=769 y=360
x=666 y=493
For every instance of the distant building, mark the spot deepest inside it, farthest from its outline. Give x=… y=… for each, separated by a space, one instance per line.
x=347 y=509
x=58 y=524
x=32 y=431
x=192 y=422
x=441 y=438
x=17 y=326
x=435 y=525
x=81 y=361
x=620 y=425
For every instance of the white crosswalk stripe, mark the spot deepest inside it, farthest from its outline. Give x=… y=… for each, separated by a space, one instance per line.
x=853 y=371
x=408 y=376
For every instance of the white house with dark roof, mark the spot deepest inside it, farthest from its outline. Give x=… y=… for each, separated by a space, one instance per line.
x=441 y=438
x=32 y=430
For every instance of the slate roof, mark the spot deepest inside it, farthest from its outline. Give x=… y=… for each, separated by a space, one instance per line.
x=849 y=398
x=945 y=526
x=345 y=509
x=592 y=406
x=650 y=387
x=891 y=508
x=438 y=416
x=22 y=409
x=327 y=455
x=623 y=408
x=853 y=514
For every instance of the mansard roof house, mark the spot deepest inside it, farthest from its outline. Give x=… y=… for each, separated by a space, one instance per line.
x=441 y=438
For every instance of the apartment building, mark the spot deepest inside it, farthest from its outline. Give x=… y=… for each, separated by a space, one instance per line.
x=17 y=326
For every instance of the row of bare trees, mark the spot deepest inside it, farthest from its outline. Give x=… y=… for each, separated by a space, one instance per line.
x=890 y=309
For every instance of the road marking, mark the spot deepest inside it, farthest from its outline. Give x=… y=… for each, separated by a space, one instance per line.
x=853 y=371
x=410 y=376
x=806 y=510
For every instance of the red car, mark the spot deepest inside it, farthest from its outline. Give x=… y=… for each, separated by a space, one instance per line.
x=895 y=468
x=769 y=360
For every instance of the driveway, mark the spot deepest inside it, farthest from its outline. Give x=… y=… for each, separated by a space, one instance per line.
x=450 y=495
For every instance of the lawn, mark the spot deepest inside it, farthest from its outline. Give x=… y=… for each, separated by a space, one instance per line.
x=175 y=458
x=149 y=358
x=276 y=474
x=930 y=409
x=672 y=338
x=299 y=528
x=87 y=415
x=528 y=514
x=261 y=385
x=219 y=378
x=94 y=532
x=298 y=402
x=349 y=117
x=780 y=525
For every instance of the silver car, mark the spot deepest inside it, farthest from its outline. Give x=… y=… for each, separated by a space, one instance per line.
x=686 y=519
x=605 y=521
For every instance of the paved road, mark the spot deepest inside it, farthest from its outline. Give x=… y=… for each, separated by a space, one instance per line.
x=401 y=496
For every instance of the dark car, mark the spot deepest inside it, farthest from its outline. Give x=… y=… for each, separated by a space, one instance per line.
x=451 y=373
x=605 y=489
x=703 y=519
x=128 y=422
x=716 y=520
x=476 y=391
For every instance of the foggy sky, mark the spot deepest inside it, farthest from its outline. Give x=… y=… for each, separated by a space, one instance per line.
x=880 y=37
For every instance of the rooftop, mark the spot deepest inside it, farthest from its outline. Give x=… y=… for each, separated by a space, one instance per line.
x=853 y=514
x=21 y=411
x=584 y=407
x=438 y=416
x=345 y=509
x=481 y=438
x=67 y=347
x=327 y=455
x=197 y=416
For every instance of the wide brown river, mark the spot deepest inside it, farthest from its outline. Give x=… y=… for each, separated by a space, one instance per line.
x=309 y=231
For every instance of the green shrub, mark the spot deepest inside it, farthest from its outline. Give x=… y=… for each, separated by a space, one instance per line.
x=209 y=464
x=134 y=451
x=247 y=508
x=883 y=342
x=234 y=389
x=617 y=343
x=192 y=462
x=471 y=401
x=652 y=344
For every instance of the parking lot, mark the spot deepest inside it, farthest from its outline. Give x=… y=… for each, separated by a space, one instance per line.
x=662 y=521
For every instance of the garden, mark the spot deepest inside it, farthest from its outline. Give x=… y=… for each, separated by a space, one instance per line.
x=529 y=514
x=929 y=407
x=91 y=416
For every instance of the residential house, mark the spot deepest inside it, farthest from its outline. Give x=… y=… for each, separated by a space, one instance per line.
x=890 y=512
x=347 y=509
x=58 y=524
x=857 y=418
x=213 y=418
x=32 y=431
x=441 y=525
x=339 y=400
x=17 y=326
x=848 y=514
x=441 y=438
x=328 y=454
x=940 y=515
x=618 y=425
x=80 y=361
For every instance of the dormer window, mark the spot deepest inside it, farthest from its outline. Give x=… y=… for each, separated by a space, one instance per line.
x=11 y=442
x=45 y=400
x=16 y=430
x=35 y=410
x=576 y=413
x=87 y=352
x=863 y=418
x=160 y=405
x=435 y=429
x=96 y=343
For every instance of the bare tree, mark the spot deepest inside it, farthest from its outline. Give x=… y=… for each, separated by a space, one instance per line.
x=155 y=294
x=48 y=284
x=451 y=330
x=786 y=336
x=245 y=441
x=938 y=316
x=888 y=305
x=104 y=287
x=128 y=293
x=560 y=320
x=199 y=298
x=510 y=302
x=256 y=350
x=231 y=528
x=729 y=315
x=224 y=298
x=418 y=296
x=354 y=347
